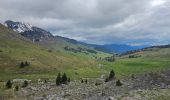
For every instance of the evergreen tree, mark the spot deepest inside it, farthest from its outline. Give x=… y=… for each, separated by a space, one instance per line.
x=26 y=63
x=9 y=84
x=64 y=79
x=111 y=75
x=86 y=81
x=22 y=65
x=58 y=79
x=16 y=88
x=118 y=83
x=82 y=81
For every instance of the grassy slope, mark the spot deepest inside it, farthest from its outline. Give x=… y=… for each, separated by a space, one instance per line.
x=15 y=48
x=154 y=60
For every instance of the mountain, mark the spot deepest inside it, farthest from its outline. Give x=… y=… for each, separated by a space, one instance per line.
x=147 y=49
x=44 y=62
x=18 y=26
x=33 y=33
x=118 y=48
x=46 y=39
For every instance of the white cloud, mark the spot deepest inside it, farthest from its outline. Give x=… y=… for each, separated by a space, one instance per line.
x=157 y=2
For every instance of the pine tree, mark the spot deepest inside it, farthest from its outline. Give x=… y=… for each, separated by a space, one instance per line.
x=118 y=83
x=9 y=84
x=64 y=79
x=16 y=88
x=26 y=63
x=22 y=65
x=82 y=81
x=111 y=75
x=58 y=79
x=86 y=81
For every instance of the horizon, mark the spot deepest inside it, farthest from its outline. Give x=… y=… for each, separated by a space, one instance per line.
x=96 y=22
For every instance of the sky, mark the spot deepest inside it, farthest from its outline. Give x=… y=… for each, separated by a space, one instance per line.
x=133 y=22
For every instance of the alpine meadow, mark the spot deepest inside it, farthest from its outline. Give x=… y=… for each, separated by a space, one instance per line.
x=84 y=50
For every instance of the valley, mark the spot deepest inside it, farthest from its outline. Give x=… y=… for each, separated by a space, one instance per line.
x=48 y=55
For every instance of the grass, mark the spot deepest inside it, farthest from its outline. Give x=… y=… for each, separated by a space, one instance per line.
x=45 y=64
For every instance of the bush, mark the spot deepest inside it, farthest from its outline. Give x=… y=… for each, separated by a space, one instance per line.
x=107 y=79
x=45 y=81
x=82 y=81
x=118 y=83
x=111 y=75
x=23 y=64
x=86 y=81
x=25 y=84
x=9 y=84
x=16 y=88
x=26 y=63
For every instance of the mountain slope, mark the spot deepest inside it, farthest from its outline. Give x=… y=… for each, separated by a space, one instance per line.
x=15 y=48
x=118 y=48
x=46 y=39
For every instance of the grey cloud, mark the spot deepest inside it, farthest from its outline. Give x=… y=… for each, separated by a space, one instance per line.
x=96 y=21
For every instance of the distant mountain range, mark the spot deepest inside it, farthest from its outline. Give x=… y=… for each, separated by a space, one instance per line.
x=117 y=48
x=44 y=37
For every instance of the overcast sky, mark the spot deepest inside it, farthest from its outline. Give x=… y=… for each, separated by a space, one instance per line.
x=135 y=22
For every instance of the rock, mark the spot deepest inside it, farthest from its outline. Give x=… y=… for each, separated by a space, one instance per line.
x=111 y=98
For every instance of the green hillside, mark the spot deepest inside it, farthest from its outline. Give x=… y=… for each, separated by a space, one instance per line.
x=46 y=63
x=43 y=62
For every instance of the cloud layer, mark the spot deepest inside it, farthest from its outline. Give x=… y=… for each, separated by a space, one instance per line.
x=137 y=22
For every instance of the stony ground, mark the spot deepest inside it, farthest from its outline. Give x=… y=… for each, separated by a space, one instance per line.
x=150 y=86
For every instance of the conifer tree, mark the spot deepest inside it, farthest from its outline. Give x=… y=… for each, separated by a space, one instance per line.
x=9 y=84
x=111 y=75
x=58 y=79
x=64 y=79
x=22 y=65
x=118 y=83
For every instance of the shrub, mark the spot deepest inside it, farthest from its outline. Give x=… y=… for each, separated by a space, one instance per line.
x=16 y=88
x=107 y=79
x=118 y=83
x=22 y=65
x=26 y=63
x=82 y=81
x=111 y=75
x=25 y=84
x=9 y=84
x=86 y=81
x=45 y=81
